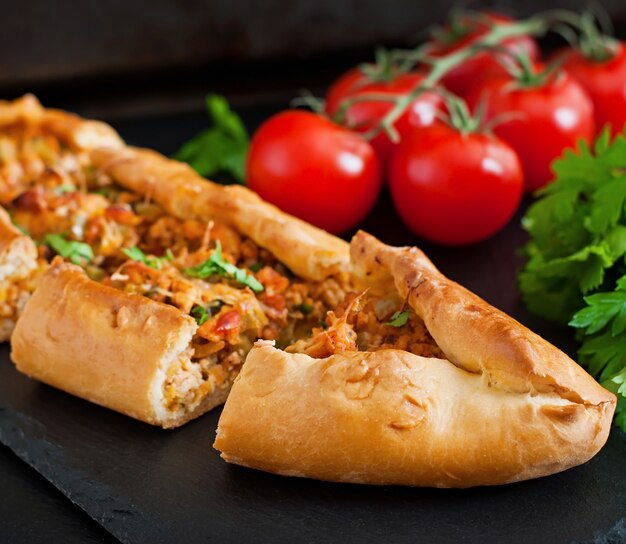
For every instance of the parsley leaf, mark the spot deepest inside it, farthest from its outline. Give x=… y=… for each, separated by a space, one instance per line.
x=200 y=314
x=398 y=319
x=64 y=189
x=136 y=254
x=215 y=265
x=76 y=252
x=577 y=250
x=221 y=149
x=304 y=308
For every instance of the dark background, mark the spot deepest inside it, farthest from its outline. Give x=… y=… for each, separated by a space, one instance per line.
x=115 y=58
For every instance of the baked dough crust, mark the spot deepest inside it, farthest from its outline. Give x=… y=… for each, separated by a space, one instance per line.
x=309 y=252
x=68 y=336
x=74 y=131
x=505 y=406
x=18 y=254
x=104 y=345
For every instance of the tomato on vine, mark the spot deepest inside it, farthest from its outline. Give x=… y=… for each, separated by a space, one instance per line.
x=314 y=169
x=541 y=112
x=454 y=184
x=463 y=30
x=364 y=115
x=598 y=63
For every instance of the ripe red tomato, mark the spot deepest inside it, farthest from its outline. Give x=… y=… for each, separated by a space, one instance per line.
x=546 y=119
x=604 y=81
x=314 y=169
x=363 y=116
x=455 y=188
x=483 y=65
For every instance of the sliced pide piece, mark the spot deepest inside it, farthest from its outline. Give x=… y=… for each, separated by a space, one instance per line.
x=93 y=338
x=119 y=350
x=147 y=226
x=43 y=153
x=35 y=140
x=471 y=398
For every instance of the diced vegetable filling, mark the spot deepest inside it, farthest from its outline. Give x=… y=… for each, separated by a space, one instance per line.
x=235 y=290
x=366 y=323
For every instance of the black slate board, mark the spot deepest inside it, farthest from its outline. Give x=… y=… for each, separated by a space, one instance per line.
x=34 y=512
x=143 y=484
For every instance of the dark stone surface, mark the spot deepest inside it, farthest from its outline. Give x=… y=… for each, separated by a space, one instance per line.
x=147 y=485
x=33 y=511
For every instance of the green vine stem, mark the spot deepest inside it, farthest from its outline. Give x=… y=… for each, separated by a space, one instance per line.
x=536 y=25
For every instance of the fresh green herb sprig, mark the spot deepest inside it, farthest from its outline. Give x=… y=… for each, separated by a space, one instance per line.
x=577 y=229
x=203 y=313
x=77 y=252
x=398 y=319
x=220 y=149
x=576 y=269
x=136 y=254
x=603 y=325
x=304 y=308
x=64 y=189
x=215 y=265
x=200 y=314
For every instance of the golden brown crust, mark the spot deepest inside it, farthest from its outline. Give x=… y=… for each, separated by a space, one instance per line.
x=100 y=343
x=18 y=254
x=74 y=131
x=391 y=417
x=512 y=357
x=506 y=406
x=308 y=251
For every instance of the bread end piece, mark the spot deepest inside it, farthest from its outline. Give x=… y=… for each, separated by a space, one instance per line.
x=391 y=417
x=108 y=347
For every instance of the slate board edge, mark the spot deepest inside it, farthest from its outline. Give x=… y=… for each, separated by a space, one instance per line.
x=18 y=433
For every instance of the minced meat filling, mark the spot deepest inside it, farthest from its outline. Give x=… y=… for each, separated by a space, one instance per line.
x=365 y=323
x=125 y=240
x=237 y=291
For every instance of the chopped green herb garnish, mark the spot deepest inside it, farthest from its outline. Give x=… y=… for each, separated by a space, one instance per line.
x=200 y=314
x=305 y=308
x=104 y=191
x=22 y=229
x=255 y=267
x=136 y=254
x=76 y=252
x=65 y=188
x=398 y=319
x=169 y=255
x=215 y=265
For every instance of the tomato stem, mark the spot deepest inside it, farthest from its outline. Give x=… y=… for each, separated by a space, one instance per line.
x=440 y=67
x=593 y=44
x=459 y=115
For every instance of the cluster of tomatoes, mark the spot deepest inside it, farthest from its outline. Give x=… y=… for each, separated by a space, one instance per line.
x=451 y=183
